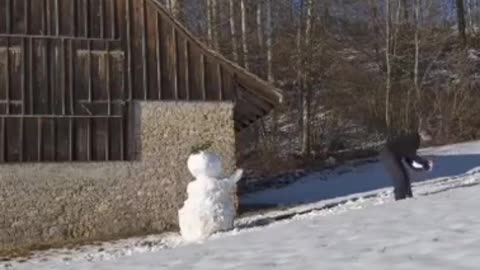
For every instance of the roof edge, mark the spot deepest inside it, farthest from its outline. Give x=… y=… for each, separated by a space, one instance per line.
x=274 y=94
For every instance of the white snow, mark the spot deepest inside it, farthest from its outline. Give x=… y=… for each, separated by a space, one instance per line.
x=352 y=224
x=209 y=207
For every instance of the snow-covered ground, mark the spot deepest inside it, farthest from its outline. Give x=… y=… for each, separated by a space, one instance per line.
x=350 y=221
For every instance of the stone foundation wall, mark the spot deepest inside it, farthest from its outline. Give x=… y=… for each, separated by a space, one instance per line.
x=51 y=204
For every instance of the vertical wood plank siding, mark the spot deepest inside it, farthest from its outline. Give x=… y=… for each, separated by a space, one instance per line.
x=69 y=69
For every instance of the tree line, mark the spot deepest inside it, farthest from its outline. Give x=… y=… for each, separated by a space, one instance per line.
x=350 y=67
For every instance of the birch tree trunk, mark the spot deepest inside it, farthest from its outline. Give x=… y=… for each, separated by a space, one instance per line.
x=388 y=64
x=215 y=25
x=259 y=25
x=417 y=48
x=469 y=15
x=233 y=32
x=306 y=82
x=209 y=23
x=269 y=42
x=168 y=3
x=299 y=66
x=174 y=7
x=416 y=83
x=244 y=35
x=376 y=29
x=397 y=27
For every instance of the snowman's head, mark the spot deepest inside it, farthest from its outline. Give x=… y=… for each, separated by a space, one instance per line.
x=205 y=164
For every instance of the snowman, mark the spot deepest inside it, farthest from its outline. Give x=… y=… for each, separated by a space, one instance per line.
x=209 y=207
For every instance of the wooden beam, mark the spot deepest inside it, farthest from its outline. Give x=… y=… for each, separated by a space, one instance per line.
x=187 y=68
x=220 y=81
x=256 y=85
x=129 y=51
x=158 y=39
x=203 y=79
x=144 y=50
x=241 y=92
x=245 y=113
x=243 y=104
x=3 y=134
x=175 y=64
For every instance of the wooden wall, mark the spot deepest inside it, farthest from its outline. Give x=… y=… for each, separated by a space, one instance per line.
x=70 y=68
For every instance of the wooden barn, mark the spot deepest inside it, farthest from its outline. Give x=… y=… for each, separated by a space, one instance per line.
x=69 y=69
x=101 y=102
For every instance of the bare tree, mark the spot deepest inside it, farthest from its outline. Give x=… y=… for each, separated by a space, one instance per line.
x=388 y=63
x=210 y=22
x=215 y=25
x=417 y=48
x=259 y=25
x=377 y=75
x=376 y=28
x=461 y=22
x=233 y=32
x=470 y=8
x=397 y=27
x=175 y=7
x=306 y=82
x=269 y=42
x=300 y=62
x=416 y=64
x=168 y=4
x=244 y=35
x=405 y=11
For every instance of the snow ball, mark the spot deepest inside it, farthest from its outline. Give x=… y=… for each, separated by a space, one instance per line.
x=205 y=164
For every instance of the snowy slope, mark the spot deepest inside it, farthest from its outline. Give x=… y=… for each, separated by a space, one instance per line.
x=365 y=229
x=440 y=231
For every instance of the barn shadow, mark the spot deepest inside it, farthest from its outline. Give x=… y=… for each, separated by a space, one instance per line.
x=350 y=180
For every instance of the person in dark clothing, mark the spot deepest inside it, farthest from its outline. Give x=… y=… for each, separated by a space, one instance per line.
x=399 y=150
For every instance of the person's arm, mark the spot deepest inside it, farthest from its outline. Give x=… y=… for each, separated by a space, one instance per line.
x=414 y=161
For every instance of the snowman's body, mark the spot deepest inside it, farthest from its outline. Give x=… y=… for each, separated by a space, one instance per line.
x=209 y=207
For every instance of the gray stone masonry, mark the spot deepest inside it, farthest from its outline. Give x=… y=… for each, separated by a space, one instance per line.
x=53 y=204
